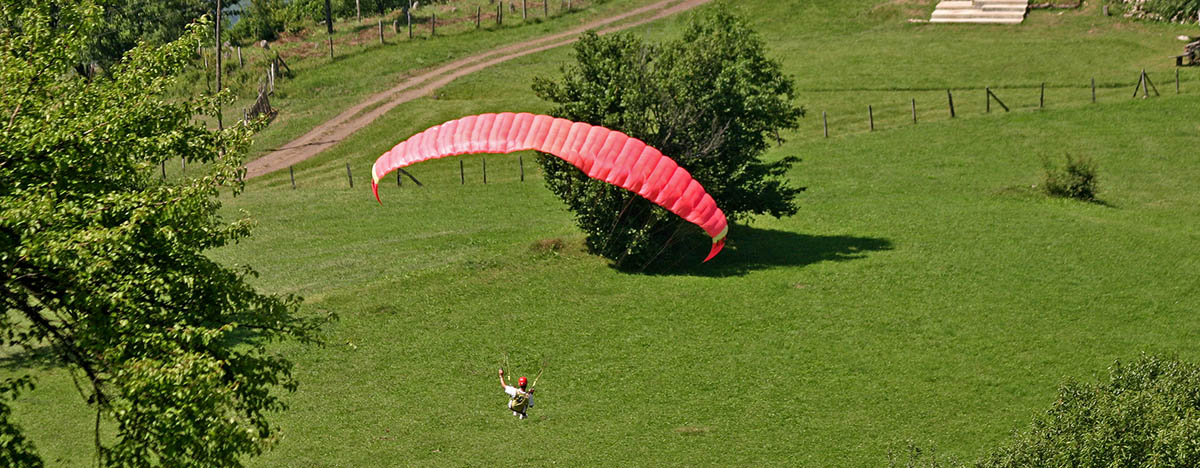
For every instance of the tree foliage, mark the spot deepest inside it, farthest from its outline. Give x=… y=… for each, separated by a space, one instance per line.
x=102 y=261
x=711 y=99
x=128 y=22
x=266 y=19
x=1146 y=415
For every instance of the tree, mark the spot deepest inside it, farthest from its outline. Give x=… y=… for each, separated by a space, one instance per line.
x=127 y=22
x=102 y=261
x=260 y=20
x=1146 y=415
x=710 y=99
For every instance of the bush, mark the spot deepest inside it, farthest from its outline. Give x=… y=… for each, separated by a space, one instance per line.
x=1076 y=180
x=261 y=20
x=1146 y=415
x=1182 y=11
x=711 y=100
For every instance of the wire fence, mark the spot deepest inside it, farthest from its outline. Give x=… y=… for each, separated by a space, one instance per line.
x=898 y=108
x=894 y=112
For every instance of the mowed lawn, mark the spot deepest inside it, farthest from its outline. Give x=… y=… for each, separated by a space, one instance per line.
x=925 y=291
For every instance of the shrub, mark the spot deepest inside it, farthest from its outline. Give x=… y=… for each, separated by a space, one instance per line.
x=711 y=100
x=1146 y=415
x=1182 y=11
x=1076 y=180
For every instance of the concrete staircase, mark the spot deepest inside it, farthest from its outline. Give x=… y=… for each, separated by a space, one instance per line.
x=980 y=11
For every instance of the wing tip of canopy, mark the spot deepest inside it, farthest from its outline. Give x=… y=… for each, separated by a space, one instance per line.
x=718 y=244
x=375 y=179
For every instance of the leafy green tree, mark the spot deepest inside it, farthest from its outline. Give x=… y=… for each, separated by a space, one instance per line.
x=102 y=262
x=261 y=20
x=711 y=99
x=1146 y=415
x=127 y=22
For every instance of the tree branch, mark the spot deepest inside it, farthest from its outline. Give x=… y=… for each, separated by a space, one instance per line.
x=69 y=349
x=13 y=118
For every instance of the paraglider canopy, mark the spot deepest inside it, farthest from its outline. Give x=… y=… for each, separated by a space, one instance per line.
x=602 y=154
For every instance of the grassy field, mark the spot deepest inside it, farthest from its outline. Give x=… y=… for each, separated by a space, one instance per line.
x=925 y=290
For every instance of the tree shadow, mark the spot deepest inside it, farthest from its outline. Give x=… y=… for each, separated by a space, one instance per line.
x=750 y=249
x=39 y=357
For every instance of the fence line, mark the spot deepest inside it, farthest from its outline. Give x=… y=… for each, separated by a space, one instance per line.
x=1144 y=85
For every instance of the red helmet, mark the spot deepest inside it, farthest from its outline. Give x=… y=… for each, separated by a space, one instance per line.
x=521 y=381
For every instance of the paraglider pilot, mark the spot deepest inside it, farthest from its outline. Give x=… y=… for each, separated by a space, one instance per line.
x=519 y=399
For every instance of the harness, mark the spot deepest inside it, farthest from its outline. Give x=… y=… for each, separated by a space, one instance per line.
x=519 y=403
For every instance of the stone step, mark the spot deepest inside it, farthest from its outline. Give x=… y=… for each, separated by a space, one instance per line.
x=977 y=20
x=1020 y=8
x=956 y=5
x=969 y=5
x=978 y=14
x=980 y=11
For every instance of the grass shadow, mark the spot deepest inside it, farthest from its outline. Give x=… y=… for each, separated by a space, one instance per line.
x=39 y=357
x=751 y=249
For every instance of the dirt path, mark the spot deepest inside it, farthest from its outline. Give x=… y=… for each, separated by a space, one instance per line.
x=360 y=115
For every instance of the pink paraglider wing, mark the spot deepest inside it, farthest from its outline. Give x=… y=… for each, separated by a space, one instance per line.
x=602 y=154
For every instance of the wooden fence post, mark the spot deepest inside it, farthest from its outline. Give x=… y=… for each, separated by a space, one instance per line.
x=478 y=16
x=408 y=15
x=1146 y=86
x=462 y=176
x=1042 y=98
x=399 y=181
x=871 y=116
x=988 y=97
x=349 y=177
x=240 y=62
x=433 y=25
x=407 y=174
x=164 y=169
x=524 y=10
x=329 y=26
x=1093 y=90
x=381 y=31
x=825 y=123
x=950 y=98
x=395 y=27
x=914 y=111
x=991 y=96
x=484 y=159
x=292 y=173
x=521 y=162
x=500 y=13
x=546 y=8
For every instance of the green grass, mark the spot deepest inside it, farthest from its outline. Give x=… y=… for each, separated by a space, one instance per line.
x=925 y=290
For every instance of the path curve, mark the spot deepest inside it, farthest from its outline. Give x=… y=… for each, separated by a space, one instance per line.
x=360 y=115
